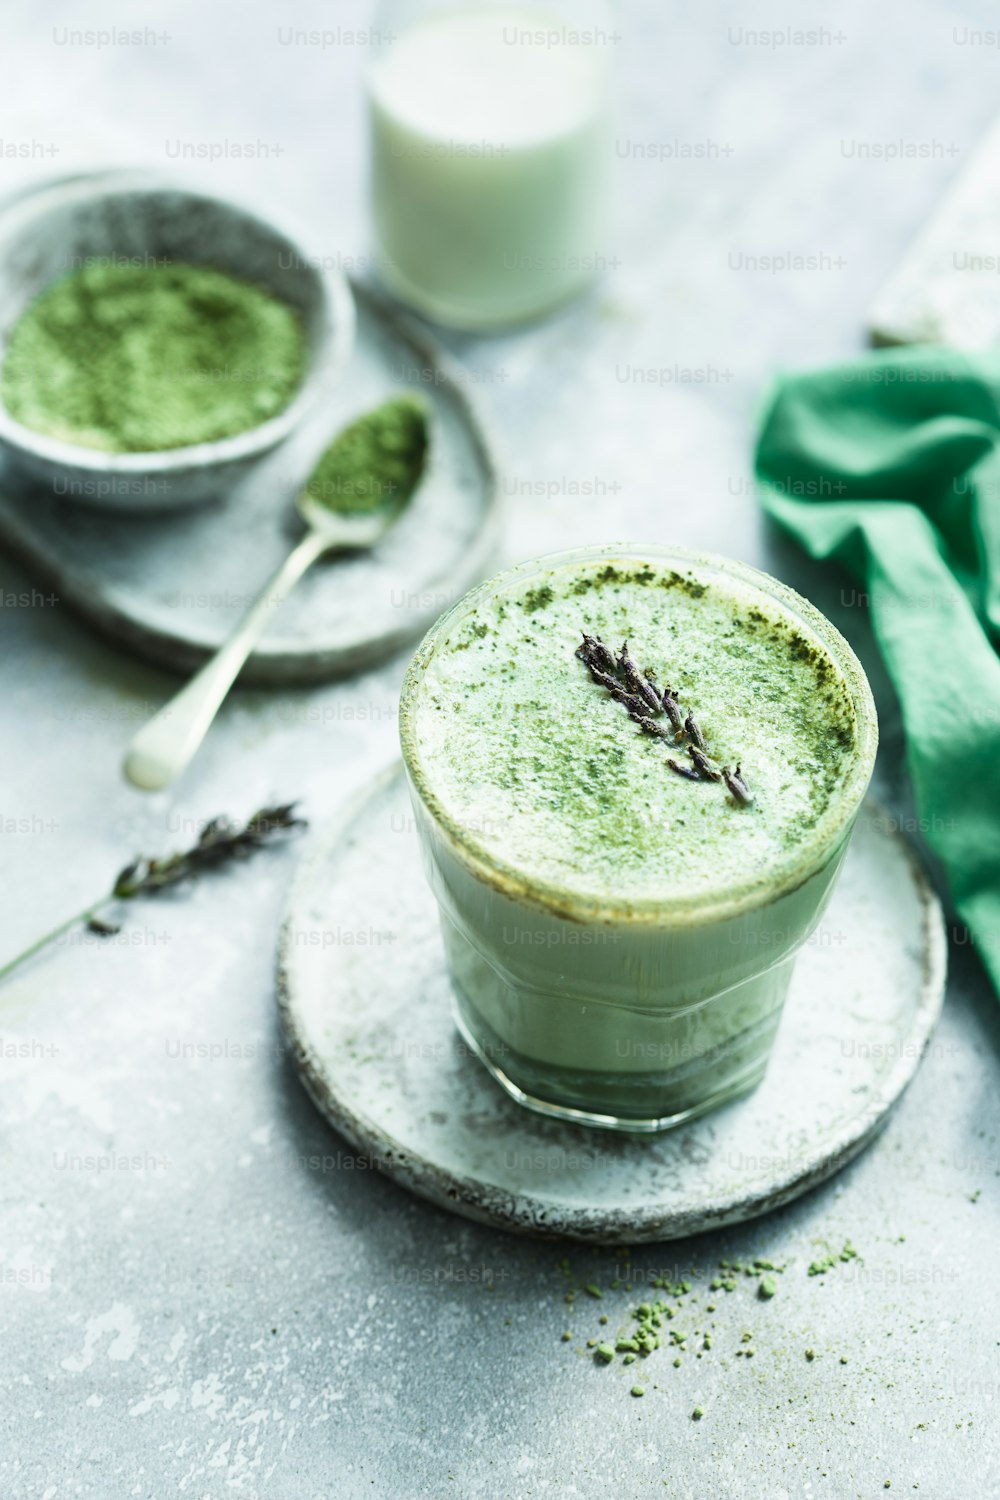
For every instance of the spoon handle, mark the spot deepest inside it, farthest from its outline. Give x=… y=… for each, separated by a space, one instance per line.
x=165 y=746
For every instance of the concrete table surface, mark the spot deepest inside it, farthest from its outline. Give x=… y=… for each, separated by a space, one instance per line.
x=203 y=1292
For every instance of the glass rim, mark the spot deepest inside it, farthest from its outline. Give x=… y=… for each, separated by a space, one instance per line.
x=779 y=880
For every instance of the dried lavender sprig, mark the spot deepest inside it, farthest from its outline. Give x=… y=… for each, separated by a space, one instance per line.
x=218 y=842
x=673 y=710
x=643 y=699
x=635 y=681
x=694 y=733
x=595 y=653
x=101 y=927
x=738 y=788
x=685 y=771
x=703 y=765
x=620 y=694
x=651 y=726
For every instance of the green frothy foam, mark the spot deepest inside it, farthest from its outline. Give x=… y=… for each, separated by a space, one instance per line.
x=520 y=746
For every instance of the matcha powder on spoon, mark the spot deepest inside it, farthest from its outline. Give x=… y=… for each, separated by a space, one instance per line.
x=136 y=359
x=376 y=462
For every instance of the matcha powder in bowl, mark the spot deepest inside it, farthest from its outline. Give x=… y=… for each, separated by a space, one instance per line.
x=143 y=358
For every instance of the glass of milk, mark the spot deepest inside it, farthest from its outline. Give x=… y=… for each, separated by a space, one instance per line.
x=490 y=148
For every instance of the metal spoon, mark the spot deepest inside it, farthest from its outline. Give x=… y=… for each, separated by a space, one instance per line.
x=165 y=746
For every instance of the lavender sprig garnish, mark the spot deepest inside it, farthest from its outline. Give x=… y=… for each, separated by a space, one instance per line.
x=596 y=654
x=620 y=694
x=687 y=772
x=638 y=692
x=694 y=733
x=703 y=765
x=673 y=711
x=635 y=681
x=738 y=788
x=651 y=726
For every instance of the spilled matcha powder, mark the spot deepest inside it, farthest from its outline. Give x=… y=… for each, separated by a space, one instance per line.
x=676 y=1319
x=137 y=359
x=824 y=1263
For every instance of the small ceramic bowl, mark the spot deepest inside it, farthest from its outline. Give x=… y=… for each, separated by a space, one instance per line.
x=51 y=230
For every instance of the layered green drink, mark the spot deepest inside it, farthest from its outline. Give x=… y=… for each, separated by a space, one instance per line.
x=635 y=771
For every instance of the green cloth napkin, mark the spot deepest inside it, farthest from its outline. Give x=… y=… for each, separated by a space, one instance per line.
x=891 y=464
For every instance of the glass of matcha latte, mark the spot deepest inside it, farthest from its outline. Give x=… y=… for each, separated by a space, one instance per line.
x=635 y=771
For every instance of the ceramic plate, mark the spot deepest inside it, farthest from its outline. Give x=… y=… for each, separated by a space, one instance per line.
x=366 y=1005
x=172 y=586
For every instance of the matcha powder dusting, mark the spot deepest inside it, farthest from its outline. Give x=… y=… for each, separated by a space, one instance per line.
x=136 y=359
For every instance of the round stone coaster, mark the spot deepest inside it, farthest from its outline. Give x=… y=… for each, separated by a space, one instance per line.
x=367 y=1010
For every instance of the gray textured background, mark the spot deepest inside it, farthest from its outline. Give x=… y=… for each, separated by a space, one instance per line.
x=241 y=1308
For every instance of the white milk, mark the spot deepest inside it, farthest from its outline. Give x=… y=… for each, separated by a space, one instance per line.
x=489 y=160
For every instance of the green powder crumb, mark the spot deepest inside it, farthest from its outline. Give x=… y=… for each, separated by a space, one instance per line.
x=649 y=1332
x=567 y=1337
x=637 y=1390
x=697 y=1414
x=376 y=463
x=139 y=359
x=824 y=1263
